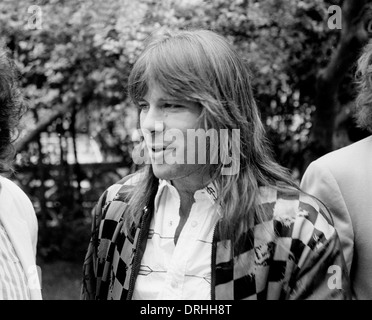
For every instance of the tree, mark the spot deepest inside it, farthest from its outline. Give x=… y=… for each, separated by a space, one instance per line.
x=356 y=16
x=75 y=61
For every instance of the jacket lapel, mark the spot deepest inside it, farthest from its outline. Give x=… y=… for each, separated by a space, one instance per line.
x=223 y=284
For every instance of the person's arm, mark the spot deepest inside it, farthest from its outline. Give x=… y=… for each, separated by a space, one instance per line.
x=320 y=272
x=319 y=181
x=28 y=214
x=89 y=282
x=91 y=278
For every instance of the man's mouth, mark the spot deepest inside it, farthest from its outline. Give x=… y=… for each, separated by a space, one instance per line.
x=158 y=148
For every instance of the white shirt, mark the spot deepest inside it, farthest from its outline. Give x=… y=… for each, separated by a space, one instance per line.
x=13 y=282
x=182 y=271
x=19 y=233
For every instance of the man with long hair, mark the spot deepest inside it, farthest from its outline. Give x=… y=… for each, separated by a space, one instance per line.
x=342 y=179
x=231 y=224
x=18 y=225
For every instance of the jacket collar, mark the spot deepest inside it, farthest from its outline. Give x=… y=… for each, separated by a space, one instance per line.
x=209 y=192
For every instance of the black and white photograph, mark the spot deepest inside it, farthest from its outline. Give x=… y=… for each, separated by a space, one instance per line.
x=175 y=152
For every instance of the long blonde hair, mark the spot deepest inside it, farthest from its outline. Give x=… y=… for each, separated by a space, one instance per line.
x=200 y=65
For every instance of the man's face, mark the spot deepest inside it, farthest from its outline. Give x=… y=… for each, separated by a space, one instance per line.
x=164 y=121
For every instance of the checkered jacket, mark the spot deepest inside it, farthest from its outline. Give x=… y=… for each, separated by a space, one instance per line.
x=293 y=254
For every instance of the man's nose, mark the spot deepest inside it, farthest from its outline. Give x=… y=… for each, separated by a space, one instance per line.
x=152 y=120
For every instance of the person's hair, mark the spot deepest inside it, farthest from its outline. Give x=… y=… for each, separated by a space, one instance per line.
x=11 y=108
x=363 y=111
x=201 y=66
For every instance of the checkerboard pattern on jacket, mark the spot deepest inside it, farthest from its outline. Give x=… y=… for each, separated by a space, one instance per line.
x=286 y=255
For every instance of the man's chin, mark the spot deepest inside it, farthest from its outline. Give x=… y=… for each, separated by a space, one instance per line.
x=164 y=171
x=175 y=171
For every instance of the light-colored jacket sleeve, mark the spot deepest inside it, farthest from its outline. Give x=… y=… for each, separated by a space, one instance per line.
x=19 y=219
x=29 y=215
x=319 y=181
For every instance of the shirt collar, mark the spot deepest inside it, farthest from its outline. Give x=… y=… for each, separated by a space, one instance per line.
x=209 y=192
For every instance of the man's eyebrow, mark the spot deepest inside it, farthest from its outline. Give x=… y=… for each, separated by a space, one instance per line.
x=170 y=99
x=164 y=99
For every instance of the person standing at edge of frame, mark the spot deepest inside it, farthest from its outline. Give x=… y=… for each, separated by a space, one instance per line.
x=342 y=179
x=19 y=279
x=181 y=230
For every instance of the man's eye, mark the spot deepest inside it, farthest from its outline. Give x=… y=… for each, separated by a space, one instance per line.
x=172 y=106
x=143 y=107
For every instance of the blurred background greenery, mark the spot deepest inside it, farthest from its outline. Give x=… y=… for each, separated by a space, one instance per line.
x=75 y=57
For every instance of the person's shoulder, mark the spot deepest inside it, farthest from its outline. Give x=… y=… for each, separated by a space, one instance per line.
x=121 y=189
x=354 y=151
x=293 y=207
x=346 y=162
x=10 y=188
x=281 y=196
x=131 y=179
x=12 y=196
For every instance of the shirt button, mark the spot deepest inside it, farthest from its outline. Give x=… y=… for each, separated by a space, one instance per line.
x=174 y=284
x=194 y=224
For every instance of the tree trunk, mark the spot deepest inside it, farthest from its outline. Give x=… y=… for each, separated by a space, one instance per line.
x=40 y=173
x=77 y=169
x=22 y=144
x=353 y=37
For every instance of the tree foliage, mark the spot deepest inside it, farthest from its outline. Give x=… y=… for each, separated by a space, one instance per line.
x=75 y=70
x=80 y=59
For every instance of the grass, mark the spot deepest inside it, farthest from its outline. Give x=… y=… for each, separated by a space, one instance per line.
x=60 y=280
